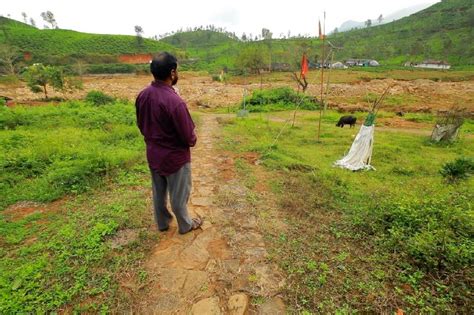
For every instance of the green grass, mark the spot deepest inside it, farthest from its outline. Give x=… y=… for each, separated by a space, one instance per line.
x=73 y=254
x=50 y=151
x=402 y=226
x=61 y=254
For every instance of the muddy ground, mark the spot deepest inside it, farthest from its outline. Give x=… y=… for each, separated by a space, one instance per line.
x=199 y=91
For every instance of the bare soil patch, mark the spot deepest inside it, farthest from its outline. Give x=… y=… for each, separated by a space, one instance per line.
x=200 y=92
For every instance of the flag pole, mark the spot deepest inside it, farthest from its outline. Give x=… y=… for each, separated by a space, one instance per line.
x=322 y=77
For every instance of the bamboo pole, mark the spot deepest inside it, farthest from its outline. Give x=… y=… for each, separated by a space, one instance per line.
x=322 y=83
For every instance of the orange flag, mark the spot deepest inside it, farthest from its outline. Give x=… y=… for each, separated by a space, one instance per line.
x=304 y=66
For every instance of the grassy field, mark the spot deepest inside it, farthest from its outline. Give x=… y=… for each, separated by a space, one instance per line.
x=397 y=237
x=91 y=160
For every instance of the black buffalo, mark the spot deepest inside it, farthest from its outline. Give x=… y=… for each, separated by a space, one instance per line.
x=346 y=120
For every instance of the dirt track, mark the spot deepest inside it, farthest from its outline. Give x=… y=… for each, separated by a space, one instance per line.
x=201 y=92
x=219 y=268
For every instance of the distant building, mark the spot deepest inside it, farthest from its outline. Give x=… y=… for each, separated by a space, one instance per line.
x=338 y=65
x=317 y=65
x=433 y=64
x=374 y=63
x=362 y=63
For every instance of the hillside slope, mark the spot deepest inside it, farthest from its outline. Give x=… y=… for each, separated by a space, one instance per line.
x=442 y=31
x=50 y=43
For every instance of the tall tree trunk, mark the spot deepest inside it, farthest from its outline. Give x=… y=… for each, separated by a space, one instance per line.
x=45 y=91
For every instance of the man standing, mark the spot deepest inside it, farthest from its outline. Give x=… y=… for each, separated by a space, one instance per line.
x=168 y=130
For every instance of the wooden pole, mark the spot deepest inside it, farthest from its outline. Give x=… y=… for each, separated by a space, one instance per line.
x=322 y=85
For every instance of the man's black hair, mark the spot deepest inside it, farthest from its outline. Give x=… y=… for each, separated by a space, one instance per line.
x=162 y=64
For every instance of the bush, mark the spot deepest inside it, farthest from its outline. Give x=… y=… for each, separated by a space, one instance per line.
x=279 y=99
x=433 y=233
x=458 y=169
x=53 y=150
x=99 y=98
x=110 y=68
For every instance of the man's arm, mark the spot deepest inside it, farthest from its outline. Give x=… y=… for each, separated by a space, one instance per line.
x=184 y=124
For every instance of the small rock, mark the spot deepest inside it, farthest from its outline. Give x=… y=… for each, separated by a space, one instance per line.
x=209 y=306
x=238 y=304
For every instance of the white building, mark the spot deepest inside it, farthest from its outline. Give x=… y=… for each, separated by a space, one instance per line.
x=433 y=64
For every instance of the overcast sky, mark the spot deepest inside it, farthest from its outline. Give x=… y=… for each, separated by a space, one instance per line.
x=157 y=17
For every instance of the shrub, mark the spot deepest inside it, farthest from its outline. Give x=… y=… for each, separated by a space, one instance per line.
x=99 y=98
x=433 y=233
x=39 y=77
x=110 y=68
x=279 y=99
x=458 y=169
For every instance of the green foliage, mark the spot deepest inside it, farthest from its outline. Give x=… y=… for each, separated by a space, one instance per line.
x=198 y=38
x=458 y=169
x=399 y=220
x=99 y=98
x=435 y=233
x=111 y=68
x=253 y=58
x=50 y=151
x=38 y=77
x=441 y=31
x=57 y=43
x=279 y=99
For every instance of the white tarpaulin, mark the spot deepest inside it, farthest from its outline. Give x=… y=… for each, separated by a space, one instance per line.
x=360 y=154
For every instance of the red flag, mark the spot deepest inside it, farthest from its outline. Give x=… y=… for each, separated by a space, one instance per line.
x=304 y=66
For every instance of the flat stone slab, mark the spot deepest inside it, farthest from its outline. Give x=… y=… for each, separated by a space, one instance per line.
x=209 y=306
x=238 y=304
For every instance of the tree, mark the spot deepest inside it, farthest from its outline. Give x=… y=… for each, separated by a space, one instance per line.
x=48 y=17
x=266 y=34
x=244 y=37
x=25 y=17
x=253 y=58
x=10 y=57
x=380 y=19
x=368 y=23
x=139 y=32
x=32 y=22
x=38 y=77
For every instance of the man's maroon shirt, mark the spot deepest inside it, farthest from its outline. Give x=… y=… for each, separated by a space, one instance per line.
x=167 y=127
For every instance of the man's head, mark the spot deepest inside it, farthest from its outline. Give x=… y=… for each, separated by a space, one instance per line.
x=164 y=67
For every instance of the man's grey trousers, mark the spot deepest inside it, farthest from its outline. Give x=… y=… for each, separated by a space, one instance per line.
x=178 y=185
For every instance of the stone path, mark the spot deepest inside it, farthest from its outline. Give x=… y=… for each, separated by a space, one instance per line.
x=220 y=268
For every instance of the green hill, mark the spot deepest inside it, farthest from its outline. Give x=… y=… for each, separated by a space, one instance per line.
x=199 y=39
x=57 y=45
x=443 y=31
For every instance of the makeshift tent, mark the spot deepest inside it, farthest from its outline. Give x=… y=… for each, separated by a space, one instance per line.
x=360 y=154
